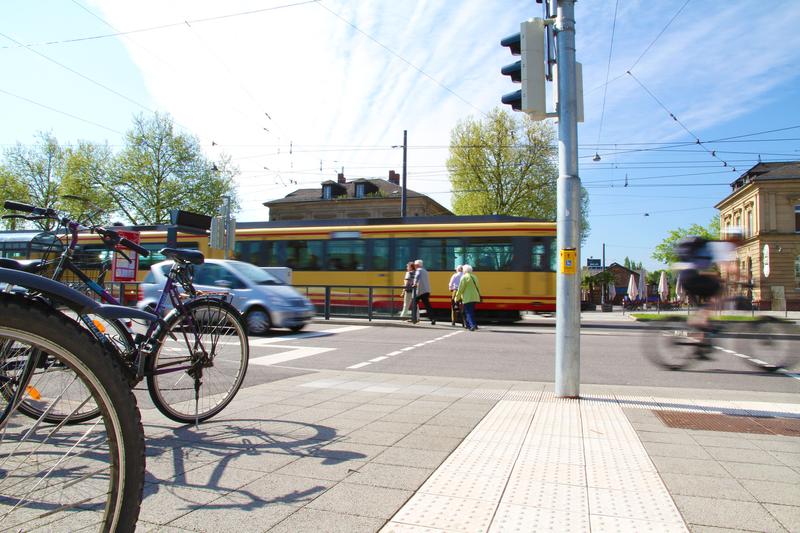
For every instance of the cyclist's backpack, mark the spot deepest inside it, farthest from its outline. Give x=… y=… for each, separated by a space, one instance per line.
x=694 y=250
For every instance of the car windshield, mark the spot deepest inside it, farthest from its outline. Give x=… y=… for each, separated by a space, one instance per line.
x=254 y=274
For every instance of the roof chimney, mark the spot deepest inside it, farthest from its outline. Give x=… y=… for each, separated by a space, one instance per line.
x=341 y=179
x=394 y=177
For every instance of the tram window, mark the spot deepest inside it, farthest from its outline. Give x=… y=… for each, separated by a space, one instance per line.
x=441 y=254
x=489 y=254
x=304 y=255
x=539 y=255
x=403 y=253
x=379 y=254
x=553 y=254
x=346 y=254
x=261 y=253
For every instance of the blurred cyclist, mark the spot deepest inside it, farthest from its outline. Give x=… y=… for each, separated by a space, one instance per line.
x=700 y=264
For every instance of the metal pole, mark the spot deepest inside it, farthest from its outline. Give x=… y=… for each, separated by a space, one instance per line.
x=568 y=318
x=227 y=223
x=605 y=283
x=403 y=192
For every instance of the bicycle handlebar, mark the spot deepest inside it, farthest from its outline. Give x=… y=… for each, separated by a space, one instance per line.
x=110 y=236
x=19 y=206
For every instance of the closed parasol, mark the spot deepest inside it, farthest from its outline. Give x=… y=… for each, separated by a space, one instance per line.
x=663 y=287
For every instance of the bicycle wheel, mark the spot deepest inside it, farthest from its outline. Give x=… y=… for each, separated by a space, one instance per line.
x=50 y=377
x=769 y=344
x=68 y=477
x=671 y=344
x=201 y=361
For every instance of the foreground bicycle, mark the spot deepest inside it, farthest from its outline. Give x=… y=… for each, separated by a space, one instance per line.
x=66 y=477
x=194 y=360
x=767 y=344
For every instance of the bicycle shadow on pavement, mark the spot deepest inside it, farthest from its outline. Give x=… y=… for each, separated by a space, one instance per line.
x=224 y=457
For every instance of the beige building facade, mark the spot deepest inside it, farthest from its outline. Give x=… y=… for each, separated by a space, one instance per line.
x=765 y=204
x=361 y=198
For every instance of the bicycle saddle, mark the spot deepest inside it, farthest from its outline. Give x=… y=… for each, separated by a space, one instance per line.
x=184 y=256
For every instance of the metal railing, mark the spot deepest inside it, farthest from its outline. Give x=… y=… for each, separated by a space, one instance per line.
x=355 y=301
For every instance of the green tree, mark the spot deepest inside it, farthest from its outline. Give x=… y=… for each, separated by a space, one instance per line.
x=86 y=175
x=506 y=165
x=11 y=188
x=160 y=169
x=38 y=168
x=665 y=252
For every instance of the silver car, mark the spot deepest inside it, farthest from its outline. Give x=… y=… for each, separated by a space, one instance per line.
x=264 y=300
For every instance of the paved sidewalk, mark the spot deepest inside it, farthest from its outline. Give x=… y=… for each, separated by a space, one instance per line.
x=351 y=452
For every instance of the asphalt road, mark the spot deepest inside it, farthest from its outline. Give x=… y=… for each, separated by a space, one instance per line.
x=519 y=352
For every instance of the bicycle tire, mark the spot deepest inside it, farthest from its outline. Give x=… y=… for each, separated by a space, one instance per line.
x=173 y=392
x=669 y=344
x=769 y=345
x=47 y=370
x=69 y=477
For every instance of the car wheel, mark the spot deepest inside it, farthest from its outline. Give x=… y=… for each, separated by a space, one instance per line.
x=258 y=322
x=297 y=328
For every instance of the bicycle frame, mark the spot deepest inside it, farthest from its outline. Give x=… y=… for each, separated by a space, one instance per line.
x=143 y=347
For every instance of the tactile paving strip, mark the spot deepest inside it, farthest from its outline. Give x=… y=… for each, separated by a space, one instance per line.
x=555 y=465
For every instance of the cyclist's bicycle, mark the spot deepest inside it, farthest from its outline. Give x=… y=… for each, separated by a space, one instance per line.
x=767 y=344
x=65 y=477
x=194 y=360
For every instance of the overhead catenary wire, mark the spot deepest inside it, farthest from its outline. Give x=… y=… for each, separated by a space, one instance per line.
x=608 y=72
x=163 y=26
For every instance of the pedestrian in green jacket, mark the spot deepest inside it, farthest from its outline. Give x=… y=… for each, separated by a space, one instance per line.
x=469 y=293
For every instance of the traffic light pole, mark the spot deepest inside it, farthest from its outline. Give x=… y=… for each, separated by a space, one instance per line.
x=568 y=210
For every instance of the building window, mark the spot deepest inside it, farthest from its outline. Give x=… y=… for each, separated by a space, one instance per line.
x=797 y=271
x=327 y=192
x=797 y=219
x=359 y=190
x=748 y=230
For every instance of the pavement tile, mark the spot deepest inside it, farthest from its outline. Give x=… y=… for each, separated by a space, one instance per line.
x=723 y=441
x=321 y=468
x=392 y=427
x=773 y=491
x=164 y=502
x=345 y=450
x=681 y=465
x=669 y=438
x=710 y=529
x=763 y=472
x=220 y=477
x=411 y=457
x=434 y=512
x=230 y=515
x=365 y=436
x=441 y=431
x=789 y=446
x=362 y=500
x=789 y=459
x=787 y=515
x=391 y=476
x=429 y=442
x=732 y=514
x=511 y=517
x=684 y=451
x=285 y=489
x=600 y=523
x=408 y=418
x=739 y=455
x=315 y=520
x=657 y=427
x=147 y=527
x=693 y=485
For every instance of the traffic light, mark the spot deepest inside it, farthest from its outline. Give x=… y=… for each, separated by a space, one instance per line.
x=529 y=70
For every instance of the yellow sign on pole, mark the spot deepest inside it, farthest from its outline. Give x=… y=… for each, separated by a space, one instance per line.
x=569 y=261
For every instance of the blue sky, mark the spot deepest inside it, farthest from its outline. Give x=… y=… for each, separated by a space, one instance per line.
x=332 y=84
